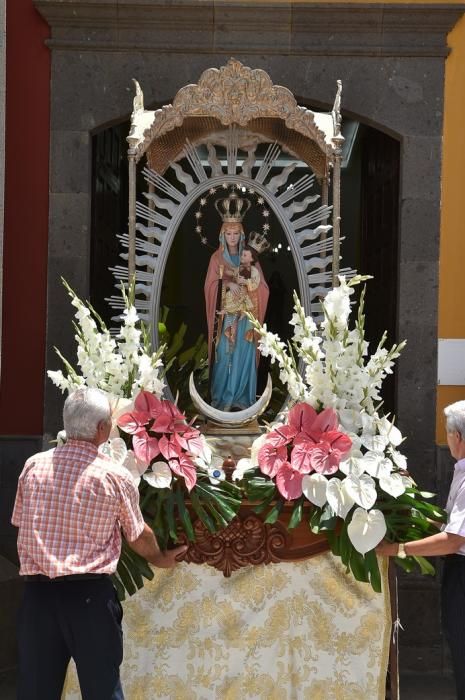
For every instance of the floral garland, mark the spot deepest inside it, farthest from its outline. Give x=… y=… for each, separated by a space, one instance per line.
x=242 y=189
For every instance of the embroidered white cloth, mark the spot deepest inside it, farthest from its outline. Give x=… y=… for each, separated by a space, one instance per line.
x=300 y=631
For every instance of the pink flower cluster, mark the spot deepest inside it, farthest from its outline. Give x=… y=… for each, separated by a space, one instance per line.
x=159 y=428
x=308 y=442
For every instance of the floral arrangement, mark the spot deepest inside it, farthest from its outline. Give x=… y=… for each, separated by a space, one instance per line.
x=332 y=456
x=334 y=449
x=168 y=458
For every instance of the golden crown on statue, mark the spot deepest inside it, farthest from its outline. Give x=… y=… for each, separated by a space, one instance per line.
x=258 y=241
x=233 y=208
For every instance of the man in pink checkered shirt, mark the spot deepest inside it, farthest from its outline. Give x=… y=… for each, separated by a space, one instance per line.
x=71 y=506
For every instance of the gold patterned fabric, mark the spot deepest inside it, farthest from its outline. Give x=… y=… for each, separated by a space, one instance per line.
x=296 y=631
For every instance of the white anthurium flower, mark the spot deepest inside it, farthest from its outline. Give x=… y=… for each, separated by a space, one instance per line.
x=374 y=443
x=134 y=466
x=159 y=476
x=314 y=488
x=362 y=489
x=350 y=420
x=376 y=464
x=216 y=474
x=399 y=459
x=206 y=452
x=392 y=484
x=356 y=443
x=408 y=481
x=242 y=466
x=115 y=449
x=368 y=424
x=366 y=529
x=353 y=465
x=256 y=445
x=388 y=429
x=338 y=497
x=61 y=438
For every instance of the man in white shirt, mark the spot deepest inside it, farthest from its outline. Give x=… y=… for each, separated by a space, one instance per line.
x=449 y=543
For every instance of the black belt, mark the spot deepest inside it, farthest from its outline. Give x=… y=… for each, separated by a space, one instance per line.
x=72 y=577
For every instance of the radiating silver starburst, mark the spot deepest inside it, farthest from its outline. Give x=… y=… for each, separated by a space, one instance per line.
x=198 y=214
x=266 y=227
x=198 y=229
x=266 y=213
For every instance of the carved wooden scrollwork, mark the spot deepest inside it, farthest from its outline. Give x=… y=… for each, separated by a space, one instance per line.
x=249 y=541
x=234 y=94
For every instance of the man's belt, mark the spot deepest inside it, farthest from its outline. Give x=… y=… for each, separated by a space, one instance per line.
x=34 y=578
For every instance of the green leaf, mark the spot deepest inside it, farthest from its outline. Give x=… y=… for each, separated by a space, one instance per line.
x=373 y=568
x=169 y=511
x=425 y=566
x=126 y=578
x=201 y=512
x=296 y=515
x=358 y=566
x=328 y=519
x=261 y=507
x=314 y=520
x=274 y=513
x=120 y=591
x=184 y=515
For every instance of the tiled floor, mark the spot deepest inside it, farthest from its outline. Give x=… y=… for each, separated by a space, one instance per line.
x=412 y=687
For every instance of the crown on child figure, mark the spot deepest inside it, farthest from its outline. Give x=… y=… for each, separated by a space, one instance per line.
x=258 y=241
x=233 y=208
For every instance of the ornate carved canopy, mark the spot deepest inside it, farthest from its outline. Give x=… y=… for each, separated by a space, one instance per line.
x=235 y=94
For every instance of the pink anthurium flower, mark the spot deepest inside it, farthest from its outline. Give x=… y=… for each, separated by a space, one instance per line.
x=281 y=436
x=134 y=422
x=330 y=451
x=148 y=403
x=271 y=458
x=145 y=447
x=289 y=481
x=184 y=467
x=326 y=420
x=301 y=456
x=169 y=449
x=169 y=419
x=301 y=417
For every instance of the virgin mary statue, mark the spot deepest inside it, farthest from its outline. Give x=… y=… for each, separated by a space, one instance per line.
x=234 y=286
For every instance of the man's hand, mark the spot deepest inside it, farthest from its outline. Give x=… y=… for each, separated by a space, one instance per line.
x=168 y=559
x=387 y=549
x=147 y=546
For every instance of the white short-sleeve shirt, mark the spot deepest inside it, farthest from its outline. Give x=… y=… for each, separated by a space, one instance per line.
x=455 y=506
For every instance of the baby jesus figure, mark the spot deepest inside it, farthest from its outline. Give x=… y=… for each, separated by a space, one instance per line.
x=248 y=280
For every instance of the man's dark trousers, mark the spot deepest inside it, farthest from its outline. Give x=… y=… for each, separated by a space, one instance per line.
x=77 y=618
x=453 y=615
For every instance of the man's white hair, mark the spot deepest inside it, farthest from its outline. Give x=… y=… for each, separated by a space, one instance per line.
x=455 y=417
x=83 y=411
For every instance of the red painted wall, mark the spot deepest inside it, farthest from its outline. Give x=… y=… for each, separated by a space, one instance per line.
x=26 y=220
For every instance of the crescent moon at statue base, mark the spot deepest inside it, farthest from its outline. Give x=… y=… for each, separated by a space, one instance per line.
x=230 y=419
